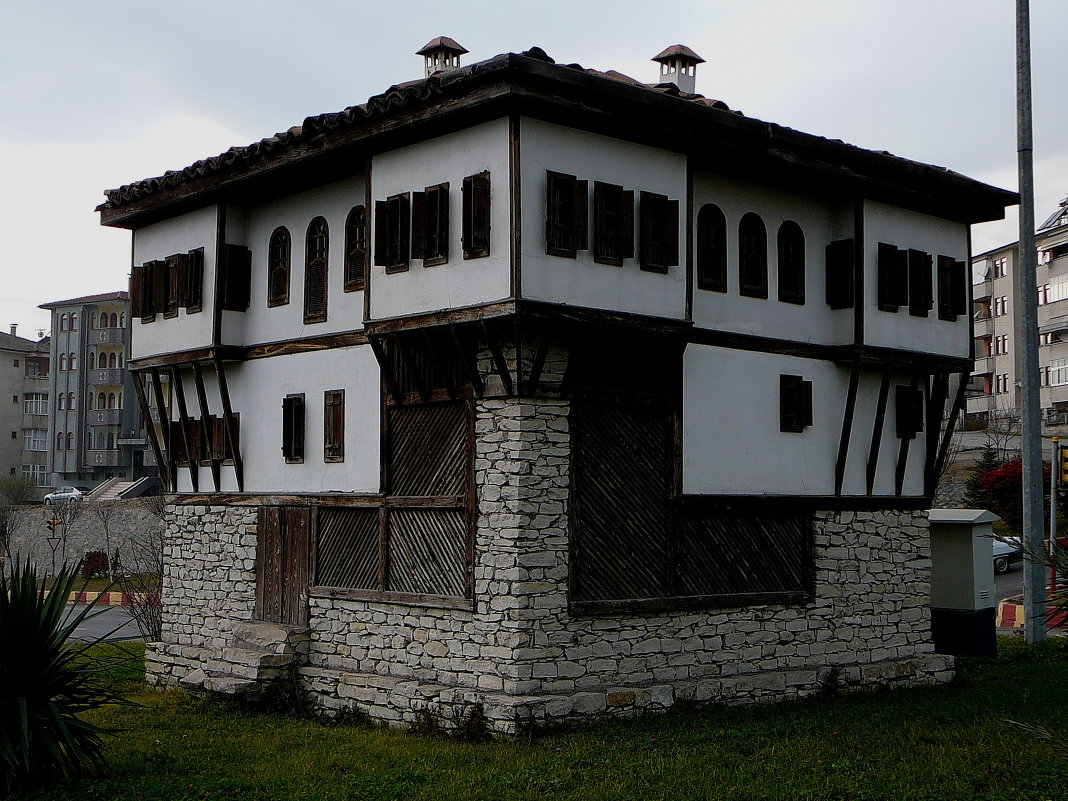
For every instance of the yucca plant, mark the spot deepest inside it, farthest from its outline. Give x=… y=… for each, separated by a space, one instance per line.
x=47 y=679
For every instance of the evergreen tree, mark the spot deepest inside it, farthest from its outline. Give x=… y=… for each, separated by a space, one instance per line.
x=975 y=497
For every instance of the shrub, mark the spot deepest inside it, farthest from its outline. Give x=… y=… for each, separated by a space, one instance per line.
x=1004 y=486
x=975 y=497
x=94 y=564
x=47 y=680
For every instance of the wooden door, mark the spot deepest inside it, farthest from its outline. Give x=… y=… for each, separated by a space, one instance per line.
x=283 y=565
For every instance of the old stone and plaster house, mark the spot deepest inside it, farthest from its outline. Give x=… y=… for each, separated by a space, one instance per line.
x=539 y=388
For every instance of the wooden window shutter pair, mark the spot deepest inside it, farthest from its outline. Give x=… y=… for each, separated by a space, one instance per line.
x=613 y=224
x=795 y=404
x=840 y=274
x=334 y=425
x=279 y=253
x=711 y=249
x=236 y=277
x=566 y=215
x=430 y=225
x=316 y=255
x=293 y=428
x=791 y=263
x=952 y=290
x=921 y=299
x=475 y=237
x=893 y=270
x=659 y=232
x=392 y=228
x=752 y=256
x=355 y=249
x=908 y=405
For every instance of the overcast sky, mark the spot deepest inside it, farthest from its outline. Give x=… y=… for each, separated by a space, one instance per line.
x=94 y=95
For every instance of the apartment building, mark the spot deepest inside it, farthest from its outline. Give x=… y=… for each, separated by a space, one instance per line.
x=24 y=380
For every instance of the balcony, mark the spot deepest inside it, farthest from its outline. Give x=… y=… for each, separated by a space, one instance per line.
x=106 y=336
x=984 y=325
x=983 y=364
x=111 y=377
x=102 y=458
x=104 y=417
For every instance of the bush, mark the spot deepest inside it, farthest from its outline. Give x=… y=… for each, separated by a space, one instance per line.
x=975 y=497
x=47 y=680
x=94 y=564
x=1004 y=487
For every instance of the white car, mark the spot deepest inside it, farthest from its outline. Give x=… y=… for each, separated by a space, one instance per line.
x=63 y=495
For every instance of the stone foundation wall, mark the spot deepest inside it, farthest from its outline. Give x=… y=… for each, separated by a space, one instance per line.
x=209 y=582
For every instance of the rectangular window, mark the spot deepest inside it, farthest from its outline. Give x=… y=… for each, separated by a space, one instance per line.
x=566 y=215
x=392 y=228
x=220 y=446
x=430 y=225
x=840 y=272
x=893 y=277
x=1001 y=344
x=293 y=428
x=35 y=440
x=1043 y=376
x=192 y=282
x=1001 y=267
x=921 y=299
x=613 y=224
x=1058 y=287
x=35 y=474
x=1043 y=294
x=476 y=216
x=1001 y=383
x=909 y=408
x=170 y=287
x=34 y=403
x=1058 y=369
x=236 y=278
x=795 y=404
x=659 y=224
x=334 y=425
x=1048 y=339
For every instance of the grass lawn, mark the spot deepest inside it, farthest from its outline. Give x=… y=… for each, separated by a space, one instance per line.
x=943 y=744
x=101 y=583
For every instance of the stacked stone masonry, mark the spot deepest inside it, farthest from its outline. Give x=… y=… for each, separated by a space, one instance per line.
x=521 y=654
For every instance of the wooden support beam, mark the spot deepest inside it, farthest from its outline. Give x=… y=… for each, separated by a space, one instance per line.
x=165 y=425
x=539 y=360
x=467 y=360
x=183 y=421
x=498 y=358
x=383 y=364
x=936 y=404
x=877 y=428
x=947 y=435
x=903 y=450
x=205 y=433
x=230 y=426
x=847 y=428
x=150 y=427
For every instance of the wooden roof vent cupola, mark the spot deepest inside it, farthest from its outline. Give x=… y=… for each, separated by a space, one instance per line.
x=441 y=55
x=678 y=65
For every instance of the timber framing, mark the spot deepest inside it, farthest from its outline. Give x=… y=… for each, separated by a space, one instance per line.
x=332 y=146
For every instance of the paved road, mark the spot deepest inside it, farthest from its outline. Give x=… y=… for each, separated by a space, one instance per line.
x=114 y=622
x=1008 y=584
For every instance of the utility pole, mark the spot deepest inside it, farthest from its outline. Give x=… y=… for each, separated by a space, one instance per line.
x=1033 y=512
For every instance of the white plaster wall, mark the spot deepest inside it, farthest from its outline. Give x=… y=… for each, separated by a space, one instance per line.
x=158 y=241
x=822 y=222
x=908 y=229
x=459 y=282
x=731 y=438
x=253 y=226
x=581 y=281
x=257 y=388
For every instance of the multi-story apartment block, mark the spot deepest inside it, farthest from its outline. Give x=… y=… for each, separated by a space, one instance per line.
x=995 y=389
x=24 y=408
x=549 y=390
x=96 y=430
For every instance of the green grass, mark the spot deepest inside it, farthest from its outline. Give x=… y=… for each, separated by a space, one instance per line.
x=101 y=583
x=942 y=744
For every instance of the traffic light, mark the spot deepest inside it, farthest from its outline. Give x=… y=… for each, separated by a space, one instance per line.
x=1063 y=452
x=52 y=524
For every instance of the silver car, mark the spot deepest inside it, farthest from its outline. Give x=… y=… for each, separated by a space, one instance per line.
x=63 y=495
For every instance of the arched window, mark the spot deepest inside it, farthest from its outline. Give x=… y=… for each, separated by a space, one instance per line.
x=62 y=362
x=355 y=248
x=92 y=360
x=120 y=361
x=711 y=249
x=92 y=321
x=278 y=260
x=61 y=402
x=111 y=440
x=60 y=439
x=122 y=320
x=315 y=256
x=70 y=401
x=111 y=400
x=74 y=322
x=72 y=361
x=70 y=442
x=120 y=400
x=791 y=251
x=62 y=322
x=112 y=357
x=101 y=401
x=114 y=320
x=752 y=256
x=89 y=401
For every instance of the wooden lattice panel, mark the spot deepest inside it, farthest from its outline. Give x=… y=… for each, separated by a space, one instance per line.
x=347 y=548
x=428 y=452
x=428 y=551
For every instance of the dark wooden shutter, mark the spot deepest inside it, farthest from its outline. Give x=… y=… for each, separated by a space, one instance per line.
x=945 y=289
x=237 y=277
x=170 y=287
x=887 y=265
x=346 y=548
x=159 y=287
x=279 y=253
x=671 y=233
x=195 y=283
x=627 y=225
x=920 y=293
x=960 y=287
x=908 y=406
x=581 y=222
x=711 y=249
x=752 y=256
x=137 y=290
x=419 y=225
x=438 y=246
x=476 y=216
x=561 y=195
x=403 y=227
x=355 y=249
x=182 y=279
x=296 y=565
x=382 y=237
x=334 y=425
x=607 y=223
x=269 y=564
x=840 y=280
x=795 y=404
x=293 y=428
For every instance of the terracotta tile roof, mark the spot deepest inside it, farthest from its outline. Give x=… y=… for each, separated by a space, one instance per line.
x=441 y=41
x=678 y=50
x=55 y=304
x=22 y=345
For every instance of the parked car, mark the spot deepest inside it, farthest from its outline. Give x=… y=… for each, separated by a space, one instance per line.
x=63 y=495
x=1007 y=552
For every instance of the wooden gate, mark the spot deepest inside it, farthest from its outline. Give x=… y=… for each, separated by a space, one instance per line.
x=283 y=566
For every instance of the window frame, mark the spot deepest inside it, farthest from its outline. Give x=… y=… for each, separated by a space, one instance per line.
x=334 y=425
x=316 y=257
x=711 y=248
x=430 y=225
x=752 y=256
x=355 y=249
x=795 y=404
x=476 y=221
x=613 y=223
x=294 y=428
x=790 y=260
x=566 y=214
x=658 y=245
x=279 y=267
